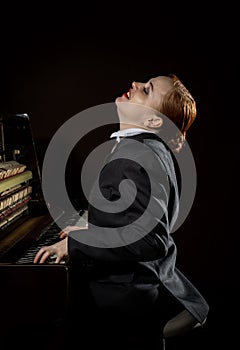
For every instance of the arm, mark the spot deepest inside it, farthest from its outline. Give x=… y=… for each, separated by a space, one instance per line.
x=147 y=246
x=151 y=245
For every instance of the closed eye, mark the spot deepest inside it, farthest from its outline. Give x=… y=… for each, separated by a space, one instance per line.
x=146 y=90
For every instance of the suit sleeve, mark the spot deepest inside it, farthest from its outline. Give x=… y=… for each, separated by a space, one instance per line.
x=151 y=238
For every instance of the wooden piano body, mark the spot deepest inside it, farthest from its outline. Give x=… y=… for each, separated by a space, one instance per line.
x=33 y=298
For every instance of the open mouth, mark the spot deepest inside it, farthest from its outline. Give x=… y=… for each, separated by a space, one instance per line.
x=126 y=95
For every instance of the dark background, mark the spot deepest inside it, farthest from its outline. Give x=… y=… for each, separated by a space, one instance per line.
x=58 y=61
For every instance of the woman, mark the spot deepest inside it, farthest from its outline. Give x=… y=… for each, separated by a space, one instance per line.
x=135 y=276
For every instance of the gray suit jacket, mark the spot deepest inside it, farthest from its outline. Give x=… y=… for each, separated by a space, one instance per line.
x=132 y=272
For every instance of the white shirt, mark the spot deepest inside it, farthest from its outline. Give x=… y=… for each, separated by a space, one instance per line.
x=129 y=132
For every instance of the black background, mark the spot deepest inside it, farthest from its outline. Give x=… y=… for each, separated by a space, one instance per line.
x=58 y=60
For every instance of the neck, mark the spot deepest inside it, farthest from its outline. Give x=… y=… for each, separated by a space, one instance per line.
x=130 y=126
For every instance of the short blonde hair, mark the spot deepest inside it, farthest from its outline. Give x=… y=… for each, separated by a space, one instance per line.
x=179 y=105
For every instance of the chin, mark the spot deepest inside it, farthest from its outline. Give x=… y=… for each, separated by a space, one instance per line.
x=121 y=99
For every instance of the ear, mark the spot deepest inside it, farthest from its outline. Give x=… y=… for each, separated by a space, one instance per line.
x=153 y=122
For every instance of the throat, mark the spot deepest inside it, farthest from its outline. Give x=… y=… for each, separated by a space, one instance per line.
x=131 y=126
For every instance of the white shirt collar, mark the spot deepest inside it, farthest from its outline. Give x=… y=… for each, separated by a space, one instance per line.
x=129 y=132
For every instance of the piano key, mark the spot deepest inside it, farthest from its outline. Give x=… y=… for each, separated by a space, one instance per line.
x=49 y=236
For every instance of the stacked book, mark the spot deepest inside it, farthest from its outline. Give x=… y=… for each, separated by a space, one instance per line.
x=15 y=191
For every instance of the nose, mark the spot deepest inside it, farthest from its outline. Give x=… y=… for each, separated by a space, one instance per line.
x=135 y=85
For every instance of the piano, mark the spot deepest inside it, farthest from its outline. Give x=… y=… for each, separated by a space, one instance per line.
x=34 y=299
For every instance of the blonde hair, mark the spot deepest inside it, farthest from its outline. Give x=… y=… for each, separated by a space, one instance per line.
x=179 y=106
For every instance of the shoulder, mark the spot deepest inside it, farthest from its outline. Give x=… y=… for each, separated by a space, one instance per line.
x=135 y=154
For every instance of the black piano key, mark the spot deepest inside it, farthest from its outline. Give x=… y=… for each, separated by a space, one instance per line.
x=48 y=236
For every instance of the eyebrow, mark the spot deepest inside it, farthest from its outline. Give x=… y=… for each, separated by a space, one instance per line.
x=151 y=84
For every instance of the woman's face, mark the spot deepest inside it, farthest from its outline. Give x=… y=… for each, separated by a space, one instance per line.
x=142 y=101
x=149 y=94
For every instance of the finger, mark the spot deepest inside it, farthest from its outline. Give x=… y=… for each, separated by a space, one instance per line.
x=44 y=257
x=58 y=259
x=38 y=256
x=63 y=234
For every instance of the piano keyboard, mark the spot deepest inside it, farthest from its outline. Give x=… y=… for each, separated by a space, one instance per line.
x=50 y=235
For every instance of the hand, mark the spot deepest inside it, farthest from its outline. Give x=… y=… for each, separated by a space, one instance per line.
x=64 y=233
x=60 y=250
